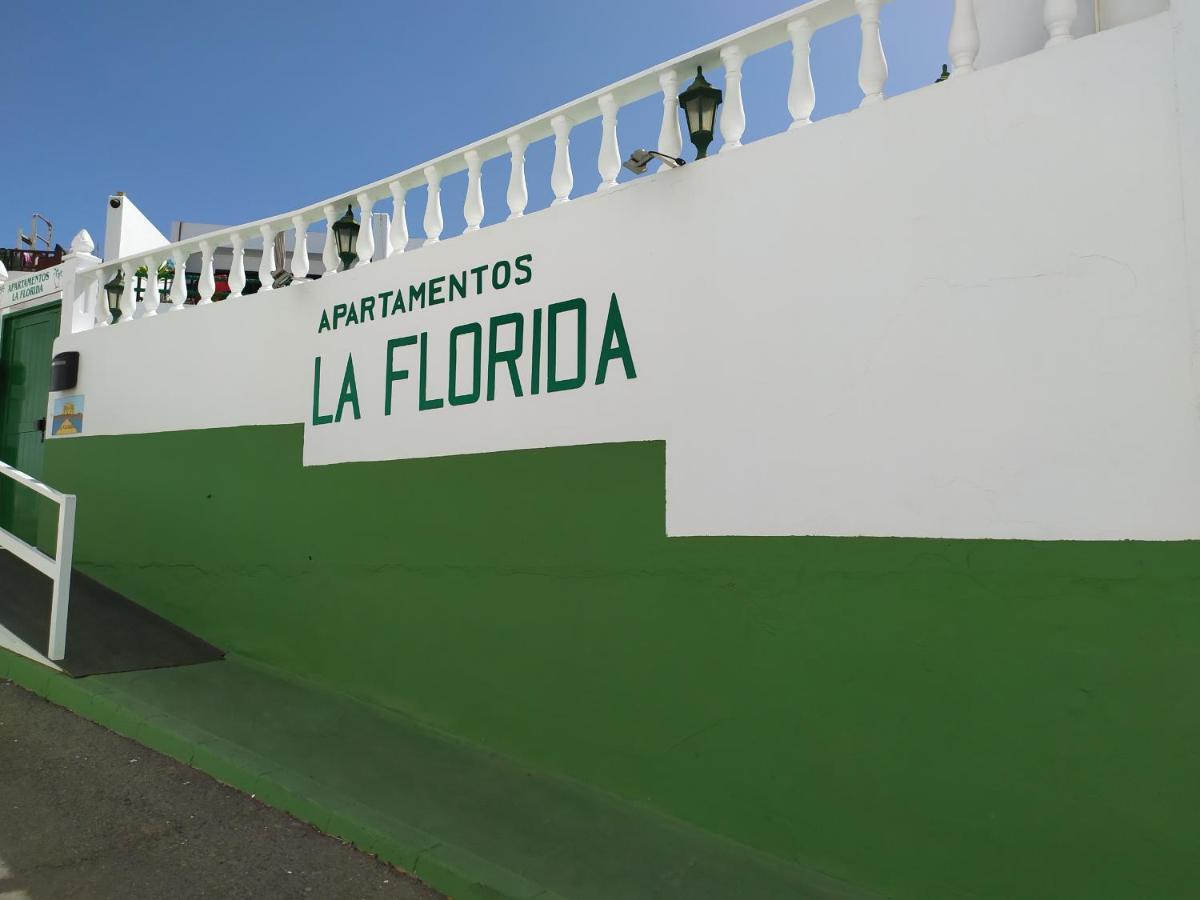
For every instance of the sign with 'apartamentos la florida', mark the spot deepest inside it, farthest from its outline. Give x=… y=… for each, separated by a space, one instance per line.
x=517 y=353
x=22 y=287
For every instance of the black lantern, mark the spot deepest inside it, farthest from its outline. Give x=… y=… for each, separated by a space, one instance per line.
x=345 y=230
x=700 y=102
x=113 y=290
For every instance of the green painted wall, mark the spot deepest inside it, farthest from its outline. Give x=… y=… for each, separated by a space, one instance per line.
x=925 y=718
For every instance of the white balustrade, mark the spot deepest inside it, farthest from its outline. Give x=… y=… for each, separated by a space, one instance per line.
x=128 y=294
x=473 y=207
x=208 y=281
x=101 y=311
x=266 y=267
x=964 y=38
x=299 y=250
x=561 y=178
x=93 y=298
x=150 y=298
x=670 y=138
x=365 y=245
x=609 y=163
x=733 y=115
x=329 y=257
x=796 y=27
x=1059 y=16
x=872 y=66
x=398 y=232
x=237 y=268
x=802 y=93
x=433 y=205
x=179 y=283
x=518 y=194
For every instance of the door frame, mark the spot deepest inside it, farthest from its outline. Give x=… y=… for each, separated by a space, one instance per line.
x=12 y=314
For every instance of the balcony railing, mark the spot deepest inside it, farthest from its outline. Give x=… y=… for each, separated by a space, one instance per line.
x=30 y=260
x=795 y=27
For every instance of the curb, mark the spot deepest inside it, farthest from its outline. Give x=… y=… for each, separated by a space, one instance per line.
x=446 y=867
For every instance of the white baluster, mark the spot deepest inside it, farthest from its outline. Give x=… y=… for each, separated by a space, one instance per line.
x=93 y=297
x=733 y=115
x=518 y=194
x=267 y=265
x=609 y=163
x=1059 y=17
x=103 y=316
x=365 y=246
x=237 y=268
x=179 y=284
x=208 y=281
x=964 y=38
x=802 y=93
x=561 y=179
x=473 y=208
x=128 y=295
x=150 y=298
x=86 y=284
x=670 y=138
x=433 y=205
x=329 y=257
x=872 y=66
x=381 y=225
x=398 y=233
x=299 y=250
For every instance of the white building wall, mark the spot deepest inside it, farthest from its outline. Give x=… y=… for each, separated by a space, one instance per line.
x=988 y=333
x=1186 y=53
x=127 y=230
x=1013 y=28
x=962 y=313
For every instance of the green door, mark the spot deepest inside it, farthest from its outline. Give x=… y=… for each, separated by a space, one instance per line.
x=26 y=348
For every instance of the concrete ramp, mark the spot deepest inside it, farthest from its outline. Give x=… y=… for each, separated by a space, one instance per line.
x=106 y=632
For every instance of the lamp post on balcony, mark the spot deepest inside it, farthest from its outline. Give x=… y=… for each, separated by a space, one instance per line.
x=112 y=291
x=699 y=103
x=345 y=231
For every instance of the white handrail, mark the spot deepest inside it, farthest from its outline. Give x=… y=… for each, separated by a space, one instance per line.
x=57 y=569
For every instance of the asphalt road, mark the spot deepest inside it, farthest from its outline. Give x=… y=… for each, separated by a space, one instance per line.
x=86 y=813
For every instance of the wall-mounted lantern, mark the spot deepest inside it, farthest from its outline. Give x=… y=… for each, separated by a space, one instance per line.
x=700 y=102
x=113 y=291
x=345 y=230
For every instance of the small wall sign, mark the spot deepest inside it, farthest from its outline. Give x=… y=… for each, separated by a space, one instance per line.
x=22 y=287
x=68 y=416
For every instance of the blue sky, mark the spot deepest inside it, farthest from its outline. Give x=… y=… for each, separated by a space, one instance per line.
x=254 y=108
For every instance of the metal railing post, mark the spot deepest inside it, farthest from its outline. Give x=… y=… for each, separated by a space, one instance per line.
x=61 y=598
